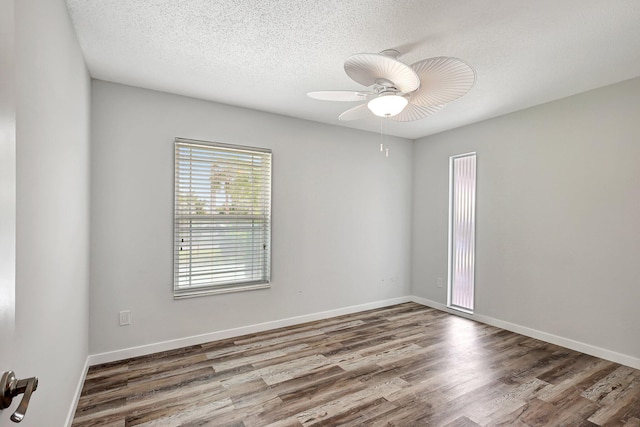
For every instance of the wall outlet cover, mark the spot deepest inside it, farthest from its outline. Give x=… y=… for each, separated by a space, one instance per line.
x=125 y=317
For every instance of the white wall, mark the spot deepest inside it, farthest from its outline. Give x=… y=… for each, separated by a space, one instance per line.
x=7 y=174
x=341 y=216
x=558 y=209
x=50 y=339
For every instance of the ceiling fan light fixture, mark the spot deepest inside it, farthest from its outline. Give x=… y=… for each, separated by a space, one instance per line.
x=398 y=91
x=387 y=105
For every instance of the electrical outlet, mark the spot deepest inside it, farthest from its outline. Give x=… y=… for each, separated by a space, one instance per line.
x=125 y=317
x=440 y=282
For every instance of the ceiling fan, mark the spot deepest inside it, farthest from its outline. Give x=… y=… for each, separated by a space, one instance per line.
x=401 y=92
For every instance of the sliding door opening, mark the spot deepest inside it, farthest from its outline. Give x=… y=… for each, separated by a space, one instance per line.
x=462 y=228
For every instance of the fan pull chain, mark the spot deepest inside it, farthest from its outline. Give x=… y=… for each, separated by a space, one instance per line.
x=383 y=149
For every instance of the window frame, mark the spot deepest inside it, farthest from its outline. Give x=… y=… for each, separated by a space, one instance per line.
x=265 y=193
x=471 y=252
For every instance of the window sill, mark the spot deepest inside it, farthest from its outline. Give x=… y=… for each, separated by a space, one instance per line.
x=193 y=293
x=460 y=309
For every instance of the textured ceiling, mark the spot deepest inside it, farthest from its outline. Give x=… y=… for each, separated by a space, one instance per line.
x=267 y=55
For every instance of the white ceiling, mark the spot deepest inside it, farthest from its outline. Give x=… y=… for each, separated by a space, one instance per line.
x=267 y=54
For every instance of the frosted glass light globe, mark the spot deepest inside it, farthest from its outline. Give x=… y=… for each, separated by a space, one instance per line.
x=387 y=105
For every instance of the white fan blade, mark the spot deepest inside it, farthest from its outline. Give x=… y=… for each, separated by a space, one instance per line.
x=414 y=112
x=341 y=95
x=442 y=80
x=359 y=112
x=366 y=68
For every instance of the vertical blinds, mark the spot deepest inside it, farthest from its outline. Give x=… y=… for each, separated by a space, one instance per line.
x=222 y=217
x=463 y=225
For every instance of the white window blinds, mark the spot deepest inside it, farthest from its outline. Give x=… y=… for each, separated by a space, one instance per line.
x=222 y=221
x=462 y=229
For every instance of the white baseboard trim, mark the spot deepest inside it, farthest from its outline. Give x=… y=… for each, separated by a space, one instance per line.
x=76 y=396
x=112 y=356
x=143 y=350
x=592 y=350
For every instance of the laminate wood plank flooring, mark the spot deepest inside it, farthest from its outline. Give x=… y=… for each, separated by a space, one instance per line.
x=404 y=365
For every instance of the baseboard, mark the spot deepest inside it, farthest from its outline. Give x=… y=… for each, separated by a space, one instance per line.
x=112 y=356
x=76 y=396
x=592 y=350
x=144 y=350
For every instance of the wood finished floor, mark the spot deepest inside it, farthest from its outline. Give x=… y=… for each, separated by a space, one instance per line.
x=406 y=365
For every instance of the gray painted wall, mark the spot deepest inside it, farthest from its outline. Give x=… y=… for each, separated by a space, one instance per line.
x=341 y=216
x=50 y=335
x=558 y=209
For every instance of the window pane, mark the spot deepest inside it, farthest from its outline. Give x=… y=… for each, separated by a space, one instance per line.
x=222 y=217
x=462 y=230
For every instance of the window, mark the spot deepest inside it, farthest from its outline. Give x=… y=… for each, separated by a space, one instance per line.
x=222 y=220
x=462 y=227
